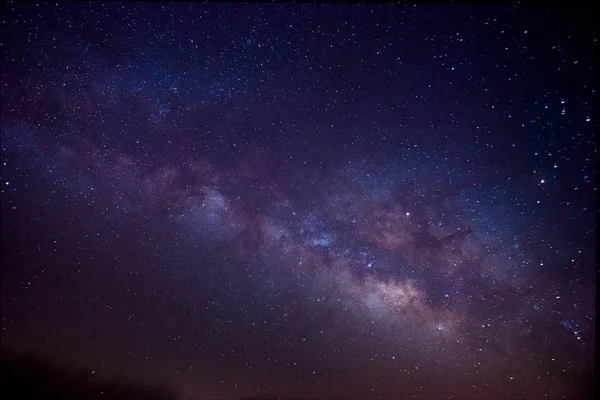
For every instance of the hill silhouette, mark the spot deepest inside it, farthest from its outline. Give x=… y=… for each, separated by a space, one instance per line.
x=28 y=377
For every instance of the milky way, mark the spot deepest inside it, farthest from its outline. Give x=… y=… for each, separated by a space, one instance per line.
x=303 y=200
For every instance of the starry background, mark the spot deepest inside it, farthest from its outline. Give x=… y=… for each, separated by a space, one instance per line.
x=315 y=200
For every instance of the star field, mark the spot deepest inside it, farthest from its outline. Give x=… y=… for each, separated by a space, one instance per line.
x=303 y=200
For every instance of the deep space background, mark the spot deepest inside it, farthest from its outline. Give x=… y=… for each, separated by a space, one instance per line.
x=303 y=200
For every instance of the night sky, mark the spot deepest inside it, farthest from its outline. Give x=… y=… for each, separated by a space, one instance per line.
x=303 y=200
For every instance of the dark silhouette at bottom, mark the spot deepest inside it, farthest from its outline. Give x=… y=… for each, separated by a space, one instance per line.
x=28 y=377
